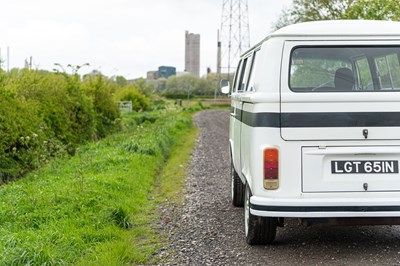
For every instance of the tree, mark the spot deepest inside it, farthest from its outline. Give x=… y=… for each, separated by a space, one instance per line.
x=121 y=81
x=187 y=85
x=161 y=84
x=374 y=9
x=144 y=87
x=312 y=10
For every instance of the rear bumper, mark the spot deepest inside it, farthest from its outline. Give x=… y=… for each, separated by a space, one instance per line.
x=325 y=208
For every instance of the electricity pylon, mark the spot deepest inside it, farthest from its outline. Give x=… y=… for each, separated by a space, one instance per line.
x=235 y=33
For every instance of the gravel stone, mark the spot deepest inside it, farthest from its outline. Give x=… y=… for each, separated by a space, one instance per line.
x=208 y=230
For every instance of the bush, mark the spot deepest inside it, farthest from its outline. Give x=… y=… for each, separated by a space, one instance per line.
x=107 y=112
x=46 y=114
x=18 y=120
x=67 y=112
x=139 y=101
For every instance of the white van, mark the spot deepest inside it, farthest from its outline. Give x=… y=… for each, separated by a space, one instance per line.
x=315 y=127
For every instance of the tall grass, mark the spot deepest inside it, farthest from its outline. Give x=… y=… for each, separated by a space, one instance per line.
x=91 y=209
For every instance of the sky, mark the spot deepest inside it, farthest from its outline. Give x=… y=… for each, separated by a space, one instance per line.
x=119 y=37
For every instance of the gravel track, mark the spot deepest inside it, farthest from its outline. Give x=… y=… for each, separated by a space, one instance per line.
x=208 y=230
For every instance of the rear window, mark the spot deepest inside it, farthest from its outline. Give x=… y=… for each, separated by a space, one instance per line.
x=345 y=69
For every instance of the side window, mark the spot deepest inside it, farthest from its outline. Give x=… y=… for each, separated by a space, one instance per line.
x=244 y=74
x=249 y=86
x=237 y=74
x=241 y=81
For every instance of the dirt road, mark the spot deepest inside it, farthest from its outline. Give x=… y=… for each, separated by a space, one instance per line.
x=208 y=230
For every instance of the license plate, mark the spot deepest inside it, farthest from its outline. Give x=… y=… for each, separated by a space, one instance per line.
x=365 y=167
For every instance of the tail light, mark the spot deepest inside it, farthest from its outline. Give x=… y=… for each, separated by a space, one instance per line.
x=271 y=168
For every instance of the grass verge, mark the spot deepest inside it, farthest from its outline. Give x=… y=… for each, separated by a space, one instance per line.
x=172 y=180
x=95 y=208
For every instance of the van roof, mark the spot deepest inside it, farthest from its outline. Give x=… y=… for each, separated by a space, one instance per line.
x=340 y=28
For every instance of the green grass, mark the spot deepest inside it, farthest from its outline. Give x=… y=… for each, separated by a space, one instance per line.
x=172 y=180
x=97 y=207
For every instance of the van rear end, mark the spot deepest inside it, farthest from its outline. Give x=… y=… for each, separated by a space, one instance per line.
x=340 y=126
x=320 y=140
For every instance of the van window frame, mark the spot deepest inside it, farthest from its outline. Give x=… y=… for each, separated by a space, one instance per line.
x=371 y=62
x=235 y=79
x=254 y=57
x=242 y=75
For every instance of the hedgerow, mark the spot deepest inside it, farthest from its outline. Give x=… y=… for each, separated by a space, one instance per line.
x=44 y=114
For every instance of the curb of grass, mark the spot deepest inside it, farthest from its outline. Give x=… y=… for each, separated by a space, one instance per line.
x=171 y=182
x=170 y=186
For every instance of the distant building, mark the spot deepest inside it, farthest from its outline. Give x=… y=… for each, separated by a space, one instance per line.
x=166 y=71
x=192 y=53
x=152 y=75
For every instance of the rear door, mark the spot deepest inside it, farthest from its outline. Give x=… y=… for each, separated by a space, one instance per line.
x=341 y=101
x=340 y=92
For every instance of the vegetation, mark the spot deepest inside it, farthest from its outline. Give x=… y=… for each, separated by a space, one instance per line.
x=139 y=101
x=95 y=208
x=374 y=9
x=47 y=114
x=188 y=85
x=91 y=176
x=311 y=10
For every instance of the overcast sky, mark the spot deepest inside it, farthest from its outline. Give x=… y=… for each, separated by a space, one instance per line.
x=119 y=37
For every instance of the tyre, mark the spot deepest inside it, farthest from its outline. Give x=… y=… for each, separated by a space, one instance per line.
x=237 y=188
x=259 y=230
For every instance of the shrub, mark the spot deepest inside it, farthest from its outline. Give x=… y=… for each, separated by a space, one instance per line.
x=140 y=102
x=46 y=114
x=107 y=112
x=67 y=112
x=18 y=119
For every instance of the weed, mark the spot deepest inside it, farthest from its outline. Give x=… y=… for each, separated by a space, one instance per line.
x=120 y=217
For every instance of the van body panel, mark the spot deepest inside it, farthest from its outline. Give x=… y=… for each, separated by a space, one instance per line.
x=247 y=144
x=235 y=133
x=267 y=69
